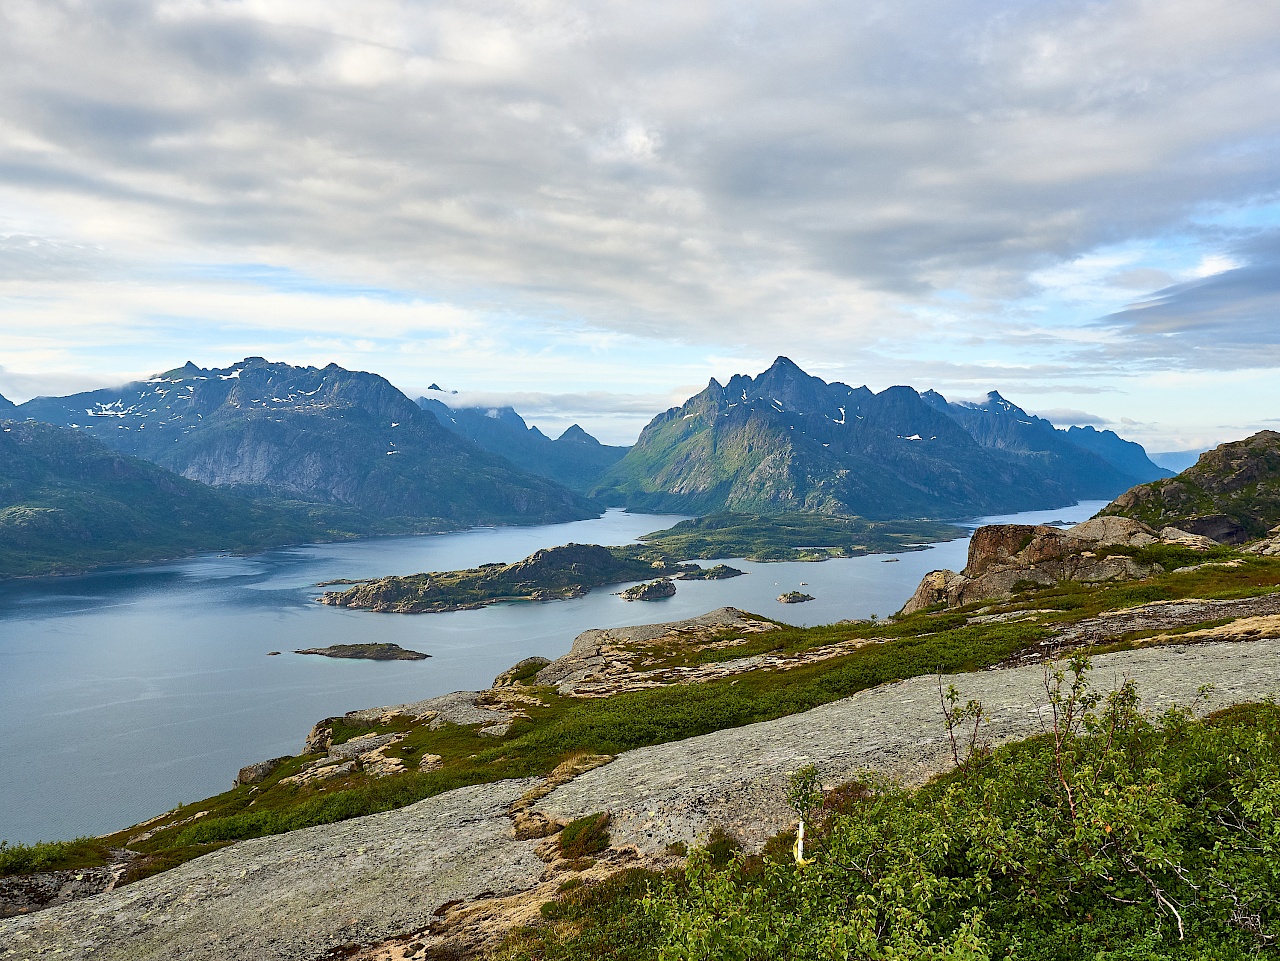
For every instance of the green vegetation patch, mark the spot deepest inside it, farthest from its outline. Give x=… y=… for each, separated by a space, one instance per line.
x=795 y=537
x=585 y=836
x=51 y=856
x=1111 y=837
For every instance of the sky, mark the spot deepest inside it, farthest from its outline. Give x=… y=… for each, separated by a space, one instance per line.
x=589 y=209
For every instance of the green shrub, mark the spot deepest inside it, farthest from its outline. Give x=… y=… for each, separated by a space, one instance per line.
x=585 y=836
x=1110 y=837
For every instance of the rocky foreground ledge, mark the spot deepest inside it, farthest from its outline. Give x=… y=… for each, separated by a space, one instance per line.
x=451 y=873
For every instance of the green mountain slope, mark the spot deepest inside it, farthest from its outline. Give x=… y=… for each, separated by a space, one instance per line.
x=785 y=441
x=68 y=503
x=1232 y=494
x=326 y=435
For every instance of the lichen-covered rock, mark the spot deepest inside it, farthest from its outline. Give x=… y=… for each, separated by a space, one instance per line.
x=1172 y=535
x=320 y=737
x=1269 y=546
x=1108 y=530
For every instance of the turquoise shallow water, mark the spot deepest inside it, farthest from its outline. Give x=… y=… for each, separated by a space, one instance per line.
x=127 y=692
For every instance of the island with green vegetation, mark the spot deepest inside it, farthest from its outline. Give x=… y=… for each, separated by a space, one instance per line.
x=367 y=652
x=720 y=572
x=569 y=571
x=794 y=597
x=795 y=536
x=551 y=574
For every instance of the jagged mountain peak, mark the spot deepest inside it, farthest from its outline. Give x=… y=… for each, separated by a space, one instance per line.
x=6 y=403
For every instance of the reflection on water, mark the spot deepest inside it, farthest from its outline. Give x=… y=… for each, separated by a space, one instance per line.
x=127 y=692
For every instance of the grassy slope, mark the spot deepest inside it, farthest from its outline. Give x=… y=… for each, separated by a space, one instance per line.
x=1127 y=840
x=68 y=503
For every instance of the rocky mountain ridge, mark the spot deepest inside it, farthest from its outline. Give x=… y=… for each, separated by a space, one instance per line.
x=787 y=441
x=327 y=435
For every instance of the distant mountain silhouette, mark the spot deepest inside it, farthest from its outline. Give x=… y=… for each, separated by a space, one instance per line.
x=574 y=459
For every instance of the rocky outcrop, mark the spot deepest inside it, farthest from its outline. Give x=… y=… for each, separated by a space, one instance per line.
x=1269 y=546
x=600 y=654
x=257 y=773
x=1005 y=557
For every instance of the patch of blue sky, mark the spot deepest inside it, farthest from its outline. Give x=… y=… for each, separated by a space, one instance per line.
x=1263 y=214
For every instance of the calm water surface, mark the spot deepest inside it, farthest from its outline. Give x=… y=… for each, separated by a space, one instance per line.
x=125 y=693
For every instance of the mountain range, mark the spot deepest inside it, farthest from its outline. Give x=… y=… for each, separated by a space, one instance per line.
x=575 y=458
x=327 y=435
x=788 y=441
x=303 y=453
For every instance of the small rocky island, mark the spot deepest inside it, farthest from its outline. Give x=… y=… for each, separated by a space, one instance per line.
x=794 y=597
x=718 y=573
x=652 y=591
x=367 y=652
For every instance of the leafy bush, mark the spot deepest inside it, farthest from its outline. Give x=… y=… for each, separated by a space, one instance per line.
x=1109 y=837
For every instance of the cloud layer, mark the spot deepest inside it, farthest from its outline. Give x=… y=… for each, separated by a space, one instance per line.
x=897 y=190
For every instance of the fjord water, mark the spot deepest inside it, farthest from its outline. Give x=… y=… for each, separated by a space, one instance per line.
x=125 y=693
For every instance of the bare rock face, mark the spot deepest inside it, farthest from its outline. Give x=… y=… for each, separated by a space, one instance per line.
x=1118 y=531
x=1172 y=535
x=1004 y=557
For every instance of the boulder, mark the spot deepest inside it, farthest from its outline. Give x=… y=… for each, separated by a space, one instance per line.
x=1172 y=535
x=937 y=587
x=1112 y=531
x=257 y=773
